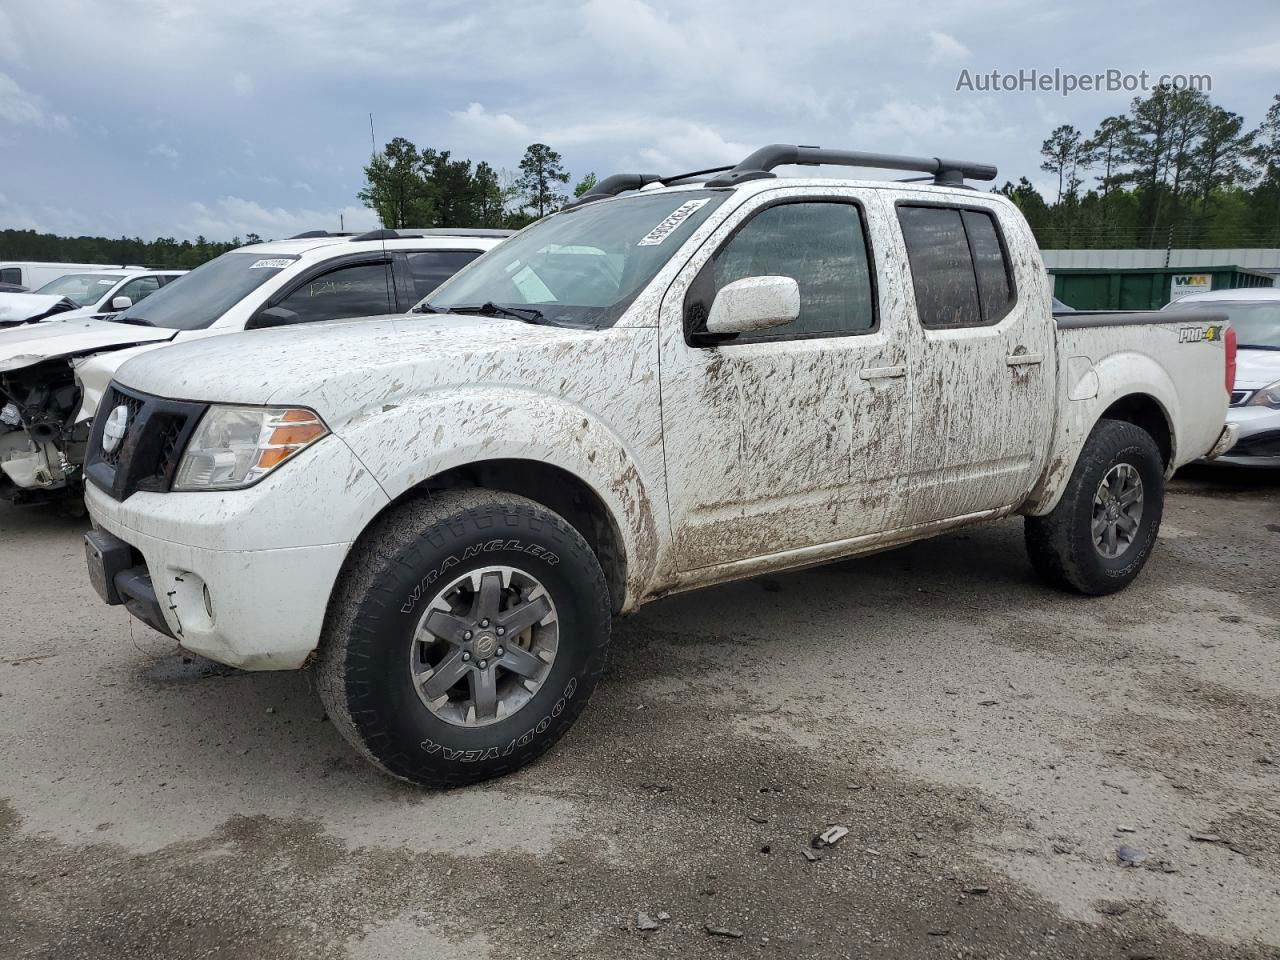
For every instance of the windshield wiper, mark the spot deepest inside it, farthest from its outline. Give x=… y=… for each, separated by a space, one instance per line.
x=135 y=321
x=428 y=308
x=491 y=309
x=1258 y=346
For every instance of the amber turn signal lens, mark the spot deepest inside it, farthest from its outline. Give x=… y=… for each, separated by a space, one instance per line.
x=301 y=433
x=274 y=456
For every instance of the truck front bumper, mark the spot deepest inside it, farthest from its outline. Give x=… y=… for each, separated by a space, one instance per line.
x=217 y=571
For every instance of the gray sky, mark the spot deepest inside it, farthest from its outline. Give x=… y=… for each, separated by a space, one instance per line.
x=219 y=118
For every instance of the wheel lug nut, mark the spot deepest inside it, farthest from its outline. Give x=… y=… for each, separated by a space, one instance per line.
x=483 y=664
x=499 y=652
x=501 y=631
x=466 y=635
x=484 y=623
x=465 y=656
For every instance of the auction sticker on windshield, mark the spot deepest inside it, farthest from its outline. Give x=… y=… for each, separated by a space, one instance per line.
x=668 y=226
x=270 y=264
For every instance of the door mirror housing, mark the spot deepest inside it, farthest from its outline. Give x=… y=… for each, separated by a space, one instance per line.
x=271 y=317
x=121 y=303
x=754 y=303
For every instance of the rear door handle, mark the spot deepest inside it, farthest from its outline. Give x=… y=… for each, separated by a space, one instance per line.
x=1024 y=359
x=882 y=373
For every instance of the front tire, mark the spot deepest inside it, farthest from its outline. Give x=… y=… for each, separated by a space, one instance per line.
x=466 y=635
x=1100 y=535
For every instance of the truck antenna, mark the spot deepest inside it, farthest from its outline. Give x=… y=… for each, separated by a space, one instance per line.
x=386 y=264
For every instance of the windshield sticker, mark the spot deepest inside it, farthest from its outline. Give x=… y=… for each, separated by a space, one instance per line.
x=532 y=288
x=672 y=222
x=105 y=283
x=270 y=264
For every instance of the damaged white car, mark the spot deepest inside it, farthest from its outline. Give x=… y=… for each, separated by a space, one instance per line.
x=52 y=375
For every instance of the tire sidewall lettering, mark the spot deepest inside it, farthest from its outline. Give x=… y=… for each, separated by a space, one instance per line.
x=423 y=588
x=493 y=753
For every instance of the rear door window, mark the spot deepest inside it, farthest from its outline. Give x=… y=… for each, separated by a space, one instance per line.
x=959 y=268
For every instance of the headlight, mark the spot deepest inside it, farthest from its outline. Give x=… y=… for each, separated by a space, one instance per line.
x=236 y=446
x=1268 y=396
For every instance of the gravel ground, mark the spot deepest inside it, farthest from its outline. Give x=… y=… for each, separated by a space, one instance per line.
x=988 y=743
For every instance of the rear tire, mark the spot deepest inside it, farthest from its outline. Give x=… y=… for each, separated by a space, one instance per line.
x=415 y=700
x=1099 y=536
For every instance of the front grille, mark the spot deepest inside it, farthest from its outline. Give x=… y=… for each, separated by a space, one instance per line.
x=147 y=455
x=1240 y=397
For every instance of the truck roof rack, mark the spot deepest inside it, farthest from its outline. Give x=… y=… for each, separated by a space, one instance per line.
x=947 y=173
x=759 y=165
x=408 y=233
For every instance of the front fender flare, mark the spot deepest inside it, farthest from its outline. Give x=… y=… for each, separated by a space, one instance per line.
x=404 y=445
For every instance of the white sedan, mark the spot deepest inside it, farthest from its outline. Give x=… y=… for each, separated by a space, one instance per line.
x=1254 y=313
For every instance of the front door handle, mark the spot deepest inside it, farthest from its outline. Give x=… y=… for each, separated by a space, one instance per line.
x=882 y=373
x=1024 y=359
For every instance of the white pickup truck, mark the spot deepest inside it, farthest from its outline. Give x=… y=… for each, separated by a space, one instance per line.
x=674 y=383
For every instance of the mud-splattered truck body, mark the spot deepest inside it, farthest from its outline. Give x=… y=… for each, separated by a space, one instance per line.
x=654 y=390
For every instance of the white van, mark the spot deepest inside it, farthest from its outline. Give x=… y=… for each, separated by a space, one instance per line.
x=33 y=275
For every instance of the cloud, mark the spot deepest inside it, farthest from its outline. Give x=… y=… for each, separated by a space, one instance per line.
x=235 y=216
x=21 y=108
x=944 y=48
x=611 y=84
x=164 y=151
x=480 y=121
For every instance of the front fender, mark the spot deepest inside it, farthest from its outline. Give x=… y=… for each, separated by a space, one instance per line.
x=405 y=444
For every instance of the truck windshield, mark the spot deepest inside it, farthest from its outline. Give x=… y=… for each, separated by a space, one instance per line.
x=86 y=289
x=195 y=300
x=582 y=267
x=1256 y=324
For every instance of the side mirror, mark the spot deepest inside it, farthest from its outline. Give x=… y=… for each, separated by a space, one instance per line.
x=271 y=317
x=754 y=303
x=121 y=303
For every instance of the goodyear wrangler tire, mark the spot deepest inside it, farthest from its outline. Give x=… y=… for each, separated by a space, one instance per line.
x=464 y=638
x=1100 y=535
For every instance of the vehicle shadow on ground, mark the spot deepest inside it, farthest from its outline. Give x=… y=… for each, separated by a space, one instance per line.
x=1205 y=480
x=41 y=519
x=271 y=725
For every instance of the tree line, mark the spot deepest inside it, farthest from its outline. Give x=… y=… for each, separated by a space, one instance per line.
x=162 y=252
x=1175 y=170
x=408 y=187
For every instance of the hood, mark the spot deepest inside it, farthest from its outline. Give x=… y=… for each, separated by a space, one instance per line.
x=19 y=308
x=342 y=367
x=1257 y=368
x=25 y=345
